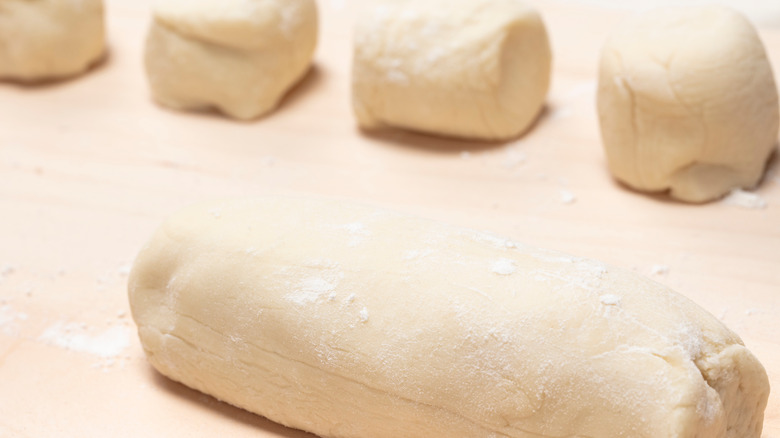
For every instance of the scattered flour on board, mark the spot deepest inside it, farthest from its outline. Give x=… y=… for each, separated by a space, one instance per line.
x=125 y=269
x=659 y=270
x=76 y=337
x=6 y=270
x=610 y=300
x=513 y=158
x=9 y=320
x=741 y=198
x=567 y=197
x=504 y=267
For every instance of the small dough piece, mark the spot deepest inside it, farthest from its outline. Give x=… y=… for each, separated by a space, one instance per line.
x=49 y=39
x=477 y=69
x=238 y=56
x=348 y=321
x=687 y=102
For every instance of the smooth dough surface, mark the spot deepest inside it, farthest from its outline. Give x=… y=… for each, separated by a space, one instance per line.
x=238 y=56
x=466 y=68
x=49 y=39
x=687 y=102
x=348 y=321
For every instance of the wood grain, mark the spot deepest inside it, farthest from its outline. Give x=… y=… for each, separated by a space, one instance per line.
x=90 y=166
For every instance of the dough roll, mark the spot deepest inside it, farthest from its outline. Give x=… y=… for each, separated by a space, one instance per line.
x=476 y=69
x=348 y=321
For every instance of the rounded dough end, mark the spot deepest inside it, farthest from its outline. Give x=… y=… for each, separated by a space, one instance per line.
x=687 y=103
x=42 y=40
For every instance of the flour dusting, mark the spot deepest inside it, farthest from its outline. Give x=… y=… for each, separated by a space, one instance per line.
x=659 y=270
x=74 y=337
x=504 y=267
x=7 y=270
x=357 y=232
x=610 y=300
x=9 y=318
x=567 y=197
x=741 y=198
x=310 y=290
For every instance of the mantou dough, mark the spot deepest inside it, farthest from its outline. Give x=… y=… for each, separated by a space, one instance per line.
x=347 y=321
x=467 y=68
x=238 y=56
x=687 y=102
x=49 y=39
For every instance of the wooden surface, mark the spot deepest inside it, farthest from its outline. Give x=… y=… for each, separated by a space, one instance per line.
x=89 y=167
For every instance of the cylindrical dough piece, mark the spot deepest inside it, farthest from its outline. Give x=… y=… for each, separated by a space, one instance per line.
x=49 y=39
x=347 y=321
x=467 y=68
x=687 y=102
x=238 y=56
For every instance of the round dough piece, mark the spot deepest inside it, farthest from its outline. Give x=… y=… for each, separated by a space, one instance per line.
x=466 y=68
x=687 y=102
x=238 y=56
x=348 y=321
x=49 y=39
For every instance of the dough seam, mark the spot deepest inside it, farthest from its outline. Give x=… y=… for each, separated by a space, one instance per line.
x=337 y=375
x=211 y=44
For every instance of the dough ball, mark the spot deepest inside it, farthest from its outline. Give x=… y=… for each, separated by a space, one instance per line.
x=466 y=68
x=49 y=39
x=687 y=102
x=348 y=321
x=238 y=56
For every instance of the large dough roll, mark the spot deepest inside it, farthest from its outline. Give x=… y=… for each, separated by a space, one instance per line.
x=348 y=321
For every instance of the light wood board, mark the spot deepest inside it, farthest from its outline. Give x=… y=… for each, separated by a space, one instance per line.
x=89 y=167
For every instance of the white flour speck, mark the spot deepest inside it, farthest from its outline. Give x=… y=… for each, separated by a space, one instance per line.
x=357 y=232
x=504 y=267
x=659 y=270
x=364 y=314
x=465 y=155
x=124 y=270
x=350 y=299
x=310 y=290
x=567 y=197
x=610 y=300
x=8 y=318
x=513 y=158
x=7 y=270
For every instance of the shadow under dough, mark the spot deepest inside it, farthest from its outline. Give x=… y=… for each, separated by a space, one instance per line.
x=408 y=138
x=96 y=66
x=203 y=401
